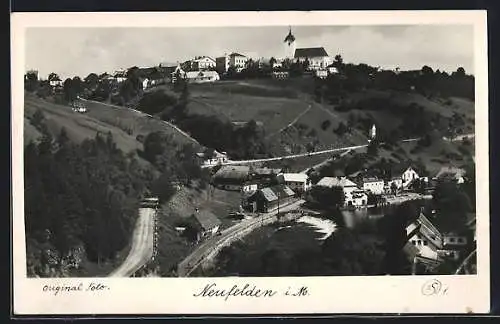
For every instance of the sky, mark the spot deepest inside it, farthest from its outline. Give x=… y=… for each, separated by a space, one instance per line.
x=80 y=51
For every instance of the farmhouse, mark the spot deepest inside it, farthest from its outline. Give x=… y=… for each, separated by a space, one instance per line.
x=214 y=158
x=353 y=196
x=316 y=56
x=231 y=177
x=298 y=182
x=451 y=173
x=268 y=199
x=203 y=63
x=373 y=185
x=425 y=237
x=55 y=82
x=205 y=223
x=202 y=76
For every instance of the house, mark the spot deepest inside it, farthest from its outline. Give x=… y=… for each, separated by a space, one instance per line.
x=404 y=171
x=353 y=196
x=298 y=182
x=280 y=75
x=425 y=237
x=269 y=199
x=55 y=82
x=203 y=63
x=145 y=83
x=120 y=76
x=332 y=69
x=231 y=177
x=393 y=183
x=202 y=76
x=373 y=185
x=238 y=61
x=177 y=72
x=316 y=56
x=205 y=223
x=214 y=159
x=451 y=173
x=320 y=73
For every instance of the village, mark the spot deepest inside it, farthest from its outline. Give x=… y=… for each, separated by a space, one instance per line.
x=269 y=194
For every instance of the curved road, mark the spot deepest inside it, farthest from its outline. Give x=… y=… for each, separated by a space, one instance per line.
x=144 y=114
x=142 y=245
x=210 y=247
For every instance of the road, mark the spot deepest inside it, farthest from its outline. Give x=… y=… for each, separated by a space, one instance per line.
x=210 y=247
x=294 y=156
x=145 y=115
x=142 y=244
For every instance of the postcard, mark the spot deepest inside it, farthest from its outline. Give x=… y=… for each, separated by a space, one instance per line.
x=250 y=163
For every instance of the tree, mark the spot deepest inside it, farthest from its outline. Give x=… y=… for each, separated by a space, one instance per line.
x=69 y=90
x=427 y=71
x=31 y=81
x=91 y=81
x=53 y=76
x=452 y=205
x=326 y=197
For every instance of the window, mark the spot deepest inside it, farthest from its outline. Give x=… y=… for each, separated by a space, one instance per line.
x=452 y=240
x=425 y=243
x=413 y=242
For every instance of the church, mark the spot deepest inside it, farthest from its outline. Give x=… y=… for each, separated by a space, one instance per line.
x=317 y=57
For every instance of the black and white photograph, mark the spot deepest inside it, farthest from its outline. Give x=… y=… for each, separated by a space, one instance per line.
x=284 y=150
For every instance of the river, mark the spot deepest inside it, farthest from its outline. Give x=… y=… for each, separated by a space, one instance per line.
x=305 y=234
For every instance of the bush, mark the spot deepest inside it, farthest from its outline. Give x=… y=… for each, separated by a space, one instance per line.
x=325 y=124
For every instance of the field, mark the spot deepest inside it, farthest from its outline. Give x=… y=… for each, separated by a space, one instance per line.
x=78 y=126
x=124 y=124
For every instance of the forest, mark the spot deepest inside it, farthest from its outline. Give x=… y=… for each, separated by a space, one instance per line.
x=80 y=202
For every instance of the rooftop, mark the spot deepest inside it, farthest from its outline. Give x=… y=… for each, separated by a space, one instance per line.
x=295 y=177
x=310 y=52
x=236 y=54
x=237 y=172
x=206 y=219
x=194 y=74
x=272 y=193
x=336 y=182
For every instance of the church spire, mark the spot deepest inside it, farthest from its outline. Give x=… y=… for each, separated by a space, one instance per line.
x=289 y=38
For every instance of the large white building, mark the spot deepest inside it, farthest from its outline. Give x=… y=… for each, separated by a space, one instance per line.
x=373 y=185
x=353 y=196
x=298 y=182
x=316 y=56
x=203 y=63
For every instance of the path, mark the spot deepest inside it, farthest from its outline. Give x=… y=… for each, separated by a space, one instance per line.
x=144 y=114
x=142 y=245
x=295 y=120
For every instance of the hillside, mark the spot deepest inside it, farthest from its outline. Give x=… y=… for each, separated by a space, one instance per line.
x=126 y=125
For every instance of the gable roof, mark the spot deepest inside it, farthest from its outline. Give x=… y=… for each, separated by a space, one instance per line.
x=236 y=54
x=336 y=182
x=195 y=74
x=202 y=58
x=310 y=52
x=275 y=192
x=206 y=220
x=295 y=177
x=238 y=173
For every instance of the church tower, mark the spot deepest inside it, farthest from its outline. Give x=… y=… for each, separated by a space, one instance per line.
x=290 y=45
